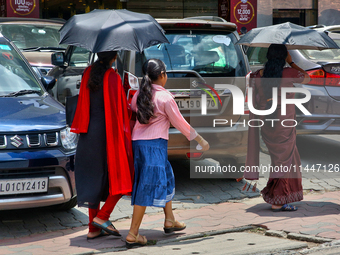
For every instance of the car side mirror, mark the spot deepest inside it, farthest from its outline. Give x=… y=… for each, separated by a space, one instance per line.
x=58 y=58
x=48 y=82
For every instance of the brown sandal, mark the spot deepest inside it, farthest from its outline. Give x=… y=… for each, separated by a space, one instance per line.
x=136 y=243
x=171 y=229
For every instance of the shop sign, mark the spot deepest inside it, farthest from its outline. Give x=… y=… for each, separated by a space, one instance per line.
x=244 y=14
x=23 y=8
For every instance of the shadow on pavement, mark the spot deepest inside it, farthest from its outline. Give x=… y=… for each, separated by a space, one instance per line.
x=305 y=209
x=113 y=242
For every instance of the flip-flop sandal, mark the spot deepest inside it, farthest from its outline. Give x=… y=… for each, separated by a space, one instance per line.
x=286 y=207
x=102 y=233
x=136 y=243
x=105 y=226
x=171 y=229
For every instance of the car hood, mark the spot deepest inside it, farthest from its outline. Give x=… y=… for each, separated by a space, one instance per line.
x=24 y=114
x=37 y=58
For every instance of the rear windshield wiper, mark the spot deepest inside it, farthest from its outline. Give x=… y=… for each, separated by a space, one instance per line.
x=21 y=92
x=43 y=48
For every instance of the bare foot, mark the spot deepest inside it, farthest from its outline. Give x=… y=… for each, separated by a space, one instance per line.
x=100 y=221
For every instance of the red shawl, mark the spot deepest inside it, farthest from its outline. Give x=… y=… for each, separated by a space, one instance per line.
x=118 y=134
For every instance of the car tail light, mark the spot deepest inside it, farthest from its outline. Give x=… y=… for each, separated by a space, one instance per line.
x=130 y=85
x=130 y=82
x=194 y=154
x=246 y=109
x=317 y=77
x=130 y=95
x=322 y=78
x=332 y=79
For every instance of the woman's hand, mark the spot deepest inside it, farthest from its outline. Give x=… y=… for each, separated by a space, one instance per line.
x=202 y=142
x=289 y=58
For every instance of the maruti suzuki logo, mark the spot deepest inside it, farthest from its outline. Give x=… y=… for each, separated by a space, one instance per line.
x=16 y=141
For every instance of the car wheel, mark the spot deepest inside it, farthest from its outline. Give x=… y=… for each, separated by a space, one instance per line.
x=68 y=205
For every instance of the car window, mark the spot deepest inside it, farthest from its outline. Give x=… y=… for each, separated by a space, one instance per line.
x=29 y=35
x=80 y=57
x=329 y=54
x=209 y=54
x=15 y=74
x=257 y=56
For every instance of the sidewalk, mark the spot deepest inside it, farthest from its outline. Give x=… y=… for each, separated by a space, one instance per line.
x=318 y=216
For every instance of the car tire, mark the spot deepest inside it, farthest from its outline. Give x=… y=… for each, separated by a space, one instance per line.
x=68 y=205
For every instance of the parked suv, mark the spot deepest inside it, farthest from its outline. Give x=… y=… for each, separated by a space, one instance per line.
x=37 y=150
x=324 y=86
x=201 y=55
x=36 y=38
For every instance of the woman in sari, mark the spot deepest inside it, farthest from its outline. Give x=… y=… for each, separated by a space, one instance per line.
x=285 y=184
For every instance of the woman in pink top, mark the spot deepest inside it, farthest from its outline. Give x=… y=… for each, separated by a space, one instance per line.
x=154 y=182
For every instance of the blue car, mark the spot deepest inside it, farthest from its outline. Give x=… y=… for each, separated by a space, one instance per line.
x=37 y=151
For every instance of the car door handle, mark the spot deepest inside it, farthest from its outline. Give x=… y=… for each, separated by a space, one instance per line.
x=78 y=84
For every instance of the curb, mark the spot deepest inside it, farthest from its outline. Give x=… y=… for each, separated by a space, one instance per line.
x=279 y=234
x=308 y=238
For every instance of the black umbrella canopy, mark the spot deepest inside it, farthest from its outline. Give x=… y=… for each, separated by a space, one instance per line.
x=106 y=30
x=292 y=35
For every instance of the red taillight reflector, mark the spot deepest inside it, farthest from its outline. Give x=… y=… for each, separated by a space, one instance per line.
x=317 y=77
x=332 y=79
x=194 y=154
x=311 y=121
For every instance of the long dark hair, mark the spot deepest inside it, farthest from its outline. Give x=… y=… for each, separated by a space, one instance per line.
x=99 y=68
x=152 y=69
x=276 y=55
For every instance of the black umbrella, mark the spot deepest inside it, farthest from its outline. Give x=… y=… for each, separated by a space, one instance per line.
x=292 y=35
x=106 y=30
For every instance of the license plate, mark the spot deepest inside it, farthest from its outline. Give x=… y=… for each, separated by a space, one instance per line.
x=194 y=104
x=23 y=186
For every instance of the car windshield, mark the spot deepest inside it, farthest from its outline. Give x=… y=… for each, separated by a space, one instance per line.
x=209 y=54
x=16 y=76
x=329 y=54
x=29 y=36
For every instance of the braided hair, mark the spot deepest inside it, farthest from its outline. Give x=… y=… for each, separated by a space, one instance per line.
x=152 y=69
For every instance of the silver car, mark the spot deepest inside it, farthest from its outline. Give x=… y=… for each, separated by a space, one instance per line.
x=324 y=70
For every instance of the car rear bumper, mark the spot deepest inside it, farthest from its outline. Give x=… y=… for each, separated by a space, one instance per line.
x=318 y=124
x=325 y=113
x=225 y=142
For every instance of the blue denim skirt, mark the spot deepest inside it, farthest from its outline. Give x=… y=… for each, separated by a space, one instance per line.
x=154 y=181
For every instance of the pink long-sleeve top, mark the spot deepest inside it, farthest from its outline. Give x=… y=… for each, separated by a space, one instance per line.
x=165 y=112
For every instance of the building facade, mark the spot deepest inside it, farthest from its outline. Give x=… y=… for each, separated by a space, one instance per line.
x=302 y=12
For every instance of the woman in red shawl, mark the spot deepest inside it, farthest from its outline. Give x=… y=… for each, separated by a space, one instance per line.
x=283 y=186
x=104 y=163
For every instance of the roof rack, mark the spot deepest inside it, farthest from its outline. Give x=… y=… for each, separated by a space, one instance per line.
x=208 y=18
